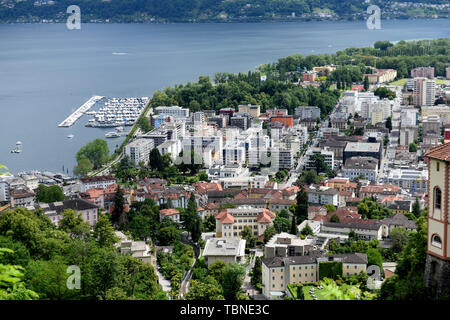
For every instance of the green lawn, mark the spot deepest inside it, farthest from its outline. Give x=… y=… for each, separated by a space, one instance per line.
x=320 y=293
x=402 y=82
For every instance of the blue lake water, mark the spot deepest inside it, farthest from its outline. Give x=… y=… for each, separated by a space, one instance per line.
x=48 y=71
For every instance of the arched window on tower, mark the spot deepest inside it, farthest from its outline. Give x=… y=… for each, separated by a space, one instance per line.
x=437 y=198
x=436 y=241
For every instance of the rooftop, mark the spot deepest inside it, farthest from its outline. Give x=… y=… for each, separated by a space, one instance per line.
x=441 y=152
x=224 y=247
x=362 y=147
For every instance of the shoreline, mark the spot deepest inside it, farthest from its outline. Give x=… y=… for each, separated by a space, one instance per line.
x=237 y=21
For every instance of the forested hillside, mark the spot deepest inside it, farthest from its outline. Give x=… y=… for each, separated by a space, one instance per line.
x=214 y=10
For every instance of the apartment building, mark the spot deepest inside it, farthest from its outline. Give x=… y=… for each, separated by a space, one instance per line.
x=96 y=182
x=253 y=110
x=278 y=272
x=360 y=166
x=231 y=222
x=307 y=112
x=423 y=72
x=322 y=195
x=325 y=152
x=174 y=111
x=139 y=150
x=226 y=249
x=424 y=92
x=54 y=210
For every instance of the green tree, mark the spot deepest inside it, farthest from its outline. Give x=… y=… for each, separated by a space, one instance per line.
x=269 y=233
x=319 y=163
x=48 y=279
x=168 y=236
x=330 y=207
x=310 y=177
x=389 y=123
x=73 y=223
x=156 y=160
x=294 y=229
x=301 y=211
x=217 y=270
x=83 y=167
x=247 y=234
x=96 y=151
x=366 y=83
x=209 y=289
x=104 y=232
x=412 y=147
x=416 y=208
x=256 y=278
x=49 y=194
x=233 y=279
x=144 y=124
x=12 y=286
x=117 y=216
x=307 y=231
x=399 y=237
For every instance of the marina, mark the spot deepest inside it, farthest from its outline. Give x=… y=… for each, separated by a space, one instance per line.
x=80 y=111
x=117 y=112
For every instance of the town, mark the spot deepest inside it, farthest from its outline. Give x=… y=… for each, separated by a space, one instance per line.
x=260 y=203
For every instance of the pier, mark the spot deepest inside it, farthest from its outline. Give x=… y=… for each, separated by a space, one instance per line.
x=80 y=111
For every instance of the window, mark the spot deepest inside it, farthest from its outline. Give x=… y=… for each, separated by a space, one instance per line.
x=437 y=198
x=436 y=241
x=437 y=165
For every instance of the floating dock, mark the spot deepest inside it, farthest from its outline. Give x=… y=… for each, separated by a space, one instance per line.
x=80 y=111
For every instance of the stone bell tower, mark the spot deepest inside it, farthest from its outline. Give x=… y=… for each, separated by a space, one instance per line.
x=437 y=269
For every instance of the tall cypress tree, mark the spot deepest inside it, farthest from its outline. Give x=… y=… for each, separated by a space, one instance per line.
x=294 y=229
x=119 y=205
x=301 y=211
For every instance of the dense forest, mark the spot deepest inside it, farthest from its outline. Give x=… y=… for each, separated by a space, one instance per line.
x=35 y=256
x=402 y=56
x=212 y=10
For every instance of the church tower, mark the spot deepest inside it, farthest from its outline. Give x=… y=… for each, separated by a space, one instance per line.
x=437 y=269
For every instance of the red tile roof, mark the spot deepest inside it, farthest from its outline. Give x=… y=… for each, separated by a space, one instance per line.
x=169 y=212
x=441 y=152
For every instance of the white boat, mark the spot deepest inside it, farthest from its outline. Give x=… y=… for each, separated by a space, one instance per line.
x=119 y=129
x=70 y=136
x=112 y=134
x=16 y=150
x=18 y=143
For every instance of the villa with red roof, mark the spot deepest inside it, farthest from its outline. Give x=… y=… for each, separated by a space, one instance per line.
x=173 y=214
x=231 y=222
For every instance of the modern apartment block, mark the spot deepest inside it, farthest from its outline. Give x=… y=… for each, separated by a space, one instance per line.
x=139 y=150
x=424 y=92
x=175 y=111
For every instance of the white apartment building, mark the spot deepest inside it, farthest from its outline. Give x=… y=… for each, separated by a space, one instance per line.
x=328 y=155
x=356 y=166
x=415 y=181
x=307 y=112
x=139 y=149
x=323 y=195
x=424 y=91
x=96 y=182
x=172 y=147
x=174 y=111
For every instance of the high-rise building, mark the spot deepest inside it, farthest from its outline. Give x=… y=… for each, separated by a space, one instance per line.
x=139 y=150
x=424 y=92
x=426 y=72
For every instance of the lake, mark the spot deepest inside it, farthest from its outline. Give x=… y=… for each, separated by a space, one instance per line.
x=48 y=71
